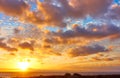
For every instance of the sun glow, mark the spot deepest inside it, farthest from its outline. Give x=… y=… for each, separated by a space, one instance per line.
x=23 y=65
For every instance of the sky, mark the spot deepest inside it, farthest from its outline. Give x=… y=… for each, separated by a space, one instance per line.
x=60 y=35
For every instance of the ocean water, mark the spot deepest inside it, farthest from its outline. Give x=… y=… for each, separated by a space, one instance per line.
x=27 y=74
x=31 y=74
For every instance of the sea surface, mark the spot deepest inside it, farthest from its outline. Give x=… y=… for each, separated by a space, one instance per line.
x=31 y=74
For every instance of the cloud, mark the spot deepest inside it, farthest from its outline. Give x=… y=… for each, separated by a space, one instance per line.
x=13 y=7
x=91 y=32
x=53 y=40
x=55 y=14
x=52 y=52
x=49 y=14
x=56 y=40
x=1 y=39
x=5 y=46
x=46 y=46
x=18 y=29
x=43 y=16
x=82 y=8
x=114 y=12
x=86 y=50
x=27 y=45
x=102 y=59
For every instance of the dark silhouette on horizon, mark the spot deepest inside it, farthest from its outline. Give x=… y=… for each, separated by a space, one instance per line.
x=75 y=75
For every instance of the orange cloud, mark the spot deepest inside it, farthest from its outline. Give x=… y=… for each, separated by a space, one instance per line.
x=13 y=7
x=5 y=46
x=27 y=45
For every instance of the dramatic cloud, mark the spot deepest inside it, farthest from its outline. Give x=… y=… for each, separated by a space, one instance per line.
x=13 y=7
x=67 y=9
x=114 y=12
x=5 y=46
x=54 y=15
x=55 y=31
x=81 y=8
x=27 y=45
x=56 y=40
x=91 y=32
x=85 y=50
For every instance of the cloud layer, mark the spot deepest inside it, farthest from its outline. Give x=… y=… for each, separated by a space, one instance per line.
x=60 y=14
x=92 y=32
x=13 y=7
x=61 y=9
x=86 y=50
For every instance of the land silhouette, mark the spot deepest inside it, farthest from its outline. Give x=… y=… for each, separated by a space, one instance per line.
x=75 y=75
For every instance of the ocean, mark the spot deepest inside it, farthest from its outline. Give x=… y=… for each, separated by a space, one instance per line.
x=31 y=74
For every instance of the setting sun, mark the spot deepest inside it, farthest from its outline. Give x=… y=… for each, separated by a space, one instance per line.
x=23 y=65
x=55 y=37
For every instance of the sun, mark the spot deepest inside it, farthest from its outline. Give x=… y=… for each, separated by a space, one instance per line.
x=23 y=65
